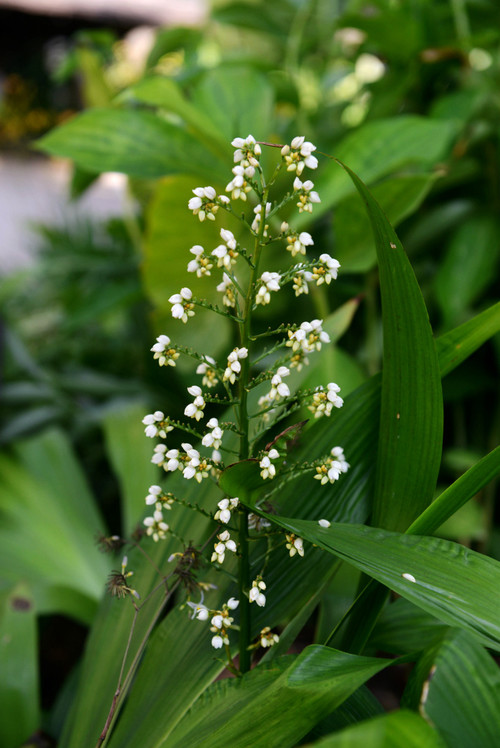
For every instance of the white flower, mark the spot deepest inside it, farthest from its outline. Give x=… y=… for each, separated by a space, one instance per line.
x=223 y=514
x=195 y=409
x=156 y=425
x=204 y=204
x=214 y=437
x=278 y=387
x=200 y=611
x=300 y=280
x=256 y=594
x=307 y=196
x=268 y=469
x=227 y=288
x=232 y=603
x=201 y=265
x=155 y=525
x=226 y=253
x=173 y=461
x=217 y=642
x=267 y=638
x=324 y=523
x=166 y=355
x=297 y=243
x=269 y=282
x=325 y=400
x=256 y=221
x=228 y=238
x=233 y=364
x=326 y=270
x=224 y=544
x=295 y=545
x=182 y=307
x=309 y=337
x=154 y=493
x=238 y=186
x=247 y=151
x=297 y=155
x=333 y=467
x=208 y=369
x=158 y=457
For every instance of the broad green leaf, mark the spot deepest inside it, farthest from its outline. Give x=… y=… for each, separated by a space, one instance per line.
x=395 y=730
x=271 y=18
x=137 y=143
x=461 y=491
x=49 y=527
x=468 y=267
x=398 y=197
x=404 y=628
x=452 y=582
x=126 y=446
x=380 y=148
x=360 y=706
x=411 y=416
x=19 y=709
x=238 y=100
x=249 y=711
x=166 y=93
x=458 y=688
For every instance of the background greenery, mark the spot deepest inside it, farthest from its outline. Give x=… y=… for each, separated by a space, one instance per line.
x=410 y=102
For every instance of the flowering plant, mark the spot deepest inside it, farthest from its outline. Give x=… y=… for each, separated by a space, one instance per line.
x=249 y=581
x=252 y=381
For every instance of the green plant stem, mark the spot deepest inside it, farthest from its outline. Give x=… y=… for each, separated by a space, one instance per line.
x=244 y=452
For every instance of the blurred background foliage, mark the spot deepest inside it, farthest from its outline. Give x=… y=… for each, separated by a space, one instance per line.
x=406 y=93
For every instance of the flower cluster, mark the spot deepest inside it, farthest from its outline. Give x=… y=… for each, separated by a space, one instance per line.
x=164 y=352
x=331 y=469
x=268 y=469
x=298 y=155
x=223 y=513
x=206 y=203
x=224 y=543
x=294 y=545
x=256 y=593
x=325 y=400
x=245 y=286
x=233 y=367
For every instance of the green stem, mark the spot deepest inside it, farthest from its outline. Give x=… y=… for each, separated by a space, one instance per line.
x=244 y=452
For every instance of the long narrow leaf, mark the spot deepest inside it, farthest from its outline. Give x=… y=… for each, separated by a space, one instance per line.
x=411 y=417
x=455 y=584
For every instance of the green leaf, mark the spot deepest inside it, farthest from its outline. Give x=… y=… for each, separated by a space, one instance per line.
x=126 y=446
x=411 y=416
x=166 y=93
x=137 y=143
x=401 y=728
x=398 y=197
x=468 y=267
x=404 y=628
x=19 y=710
x=452 y=582
x=238 y=100
x=249 y=711
x=458 y=344
x=49 y=527
x=457 y=684
x=461 y=491
x=380 y=148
